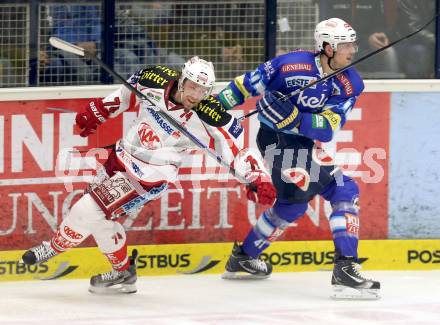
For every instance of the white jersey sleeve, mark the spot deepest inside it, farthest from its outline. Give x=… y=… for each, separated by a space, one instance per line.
x=226 y=136
x=122 y=98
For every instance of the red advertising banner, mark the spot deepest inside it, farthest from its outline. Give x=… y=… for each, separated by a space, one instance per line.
x=41 y=177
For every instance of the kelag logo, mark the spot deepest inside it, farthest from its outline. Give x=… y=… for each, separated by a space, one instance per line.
x=425 y=256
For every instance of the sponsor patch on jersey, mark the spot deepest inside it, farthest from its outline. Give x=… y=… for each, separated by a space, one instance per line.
x=167 y=71
x=348 y=87
x=155 y=77
x=138 y=201
x=135 y=78
x=129 y=162
x=333 y=118
x=167 y=128
x=291 y=67
x=318 y=122
x=71 y=233
x=352 y=221
x=228 y=98
x=137 y=170
x=268 y=69
x=299 y=81
x=311 y=101
x=236 y=129
x=152 y=96
x=210 y=110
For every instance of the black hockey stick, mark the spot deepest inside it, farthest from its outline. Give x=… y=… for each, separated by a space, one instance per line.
x=296 y=92
x=71 y=48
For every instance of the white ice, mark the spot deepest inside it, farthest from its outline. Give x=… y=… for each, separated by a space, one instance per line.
x=408 y=297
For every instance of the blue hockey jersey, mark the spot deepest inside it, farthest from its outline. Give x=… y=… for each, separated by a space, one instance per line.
x=324 y=106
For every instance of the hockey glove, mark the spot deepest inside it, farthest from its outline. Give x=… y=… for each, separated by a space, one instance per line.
x=260 y=188
x=93 y=115
x=278 y=110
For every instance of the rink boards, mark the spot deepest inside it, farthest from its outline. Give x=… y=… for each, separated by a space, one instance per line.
x=210 y=258
x=389 y=146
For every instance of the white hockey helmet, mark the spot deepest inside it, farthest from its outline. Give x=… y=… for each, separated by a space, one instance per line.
x=333 y=31
x=199 y=71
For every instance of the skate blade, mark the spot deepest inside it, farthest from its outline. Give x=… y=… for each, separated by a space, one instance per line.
x=116 y=289
x=347 y=293
x=243 y=276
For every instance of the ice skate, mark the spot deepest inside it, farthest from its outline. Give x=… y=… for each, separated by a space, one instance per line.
x=241 y=266
x=348 y=283
x=116 y=281
x=38 y=254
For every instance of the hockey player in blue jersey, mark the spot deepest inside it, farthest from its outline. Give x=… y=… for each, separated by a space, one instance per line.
x=300 y=168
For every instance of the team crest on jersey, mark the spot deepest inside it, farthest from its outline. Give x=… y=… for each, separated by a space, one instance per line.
x=298 y=176
x=147 y=137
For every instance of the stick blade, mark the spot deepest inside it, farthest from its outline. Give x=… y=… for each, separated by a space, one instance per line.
x=66 y=46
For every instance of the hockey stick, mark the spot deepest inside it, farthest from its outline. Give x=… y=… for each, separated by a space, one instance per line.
x=71 y=48
x=296 y=92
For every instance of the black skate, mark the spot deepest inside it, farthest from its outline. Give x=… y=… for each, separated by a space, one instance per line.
x=116 y=281
x=242 y=266
x=38 y=254
x=349 y=284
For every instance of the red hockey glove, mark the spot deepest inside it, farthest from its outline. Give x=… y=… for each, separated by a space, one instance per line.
x=93 y=115
x=260 y=188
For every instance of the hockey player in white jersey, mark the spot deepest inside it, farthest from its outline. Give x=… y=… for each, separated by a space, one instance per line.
x=146 y=160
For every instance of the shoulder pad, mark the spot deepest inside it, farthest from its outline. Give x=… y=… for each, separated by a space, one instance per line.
x=212 y=112
x=157 y=77
x=351 y=82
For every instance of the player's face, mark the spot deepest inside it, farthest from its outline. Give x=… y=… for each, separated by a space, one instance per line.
x=344 y=55
x=193 y=94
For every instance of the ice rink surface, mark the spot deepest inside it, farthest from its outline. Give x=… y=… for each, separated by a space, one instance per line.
x=408 y=297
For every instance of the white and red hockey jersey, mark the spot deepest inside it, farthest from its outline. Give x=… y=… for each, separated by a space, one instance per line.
x=152 y=149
